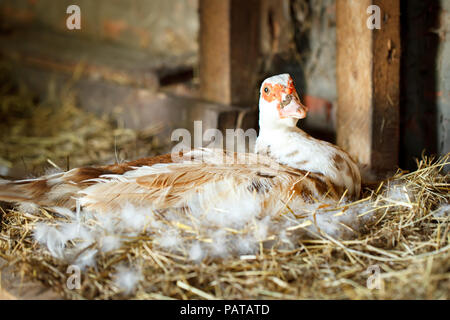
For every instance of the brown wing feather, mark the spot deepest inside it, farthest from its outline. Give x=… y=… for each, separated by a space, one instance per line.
x=165 y=189
x=127 y=166
x=176 y=187
x=59 y=189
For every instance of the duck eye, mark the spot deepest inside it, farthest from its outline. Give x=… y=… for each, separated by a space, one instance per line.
x=266 y=90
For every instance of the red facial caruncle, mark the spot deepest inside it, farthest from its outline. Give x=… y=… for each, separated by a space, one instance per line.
x=288 y=102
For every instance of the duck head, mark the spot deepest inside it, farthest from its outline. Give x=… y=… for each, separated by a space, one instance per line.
x=279 y=104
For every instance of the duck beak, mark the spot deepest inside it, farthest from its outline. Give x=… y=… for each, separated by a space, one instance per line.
x=291 y=107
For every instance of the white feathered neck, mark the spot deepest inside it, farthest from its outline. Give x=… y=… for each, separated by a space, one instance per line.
x=280 y=139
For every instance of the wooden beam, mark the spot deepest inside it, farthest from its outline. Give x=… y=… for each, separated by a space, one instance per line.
x=368 y=82
x=229 y=50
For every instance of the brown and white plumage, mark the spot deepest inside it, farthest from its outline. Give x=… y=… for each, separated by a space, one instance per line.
x=289 y=167
x=61 y=189
x=172 y=185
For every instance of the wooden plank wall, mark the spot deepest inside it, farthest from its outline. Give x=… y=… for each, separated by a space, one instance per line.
x=236 y=38
x=229 y=50
x=368 y=75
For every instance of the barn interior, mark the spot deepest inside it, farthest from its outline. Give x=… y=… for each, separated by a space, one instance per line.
x=115 y=90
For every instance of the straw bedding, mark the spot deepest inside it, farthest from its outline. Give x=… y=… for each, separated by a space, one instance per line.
x=408 y=243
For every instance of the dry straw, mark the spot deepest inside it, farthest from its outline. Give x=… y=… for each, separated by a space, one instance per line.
x=55 y=133
x=407 y=245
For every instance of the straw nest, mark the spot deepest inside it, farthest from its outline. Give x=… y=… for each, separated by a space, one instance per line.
x=403 y=254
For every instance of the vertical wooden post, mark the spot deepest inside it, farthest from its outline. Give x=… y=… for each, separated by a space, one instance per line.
x=368 y=82
x=229 y=50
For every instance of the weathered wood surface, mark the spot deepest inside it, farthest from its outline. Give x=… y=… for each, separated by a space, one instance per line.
x=229 y=50
x=127 y=84
x=236 y=38
x=111 y=80
x=79 y=57
x=368 y=74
